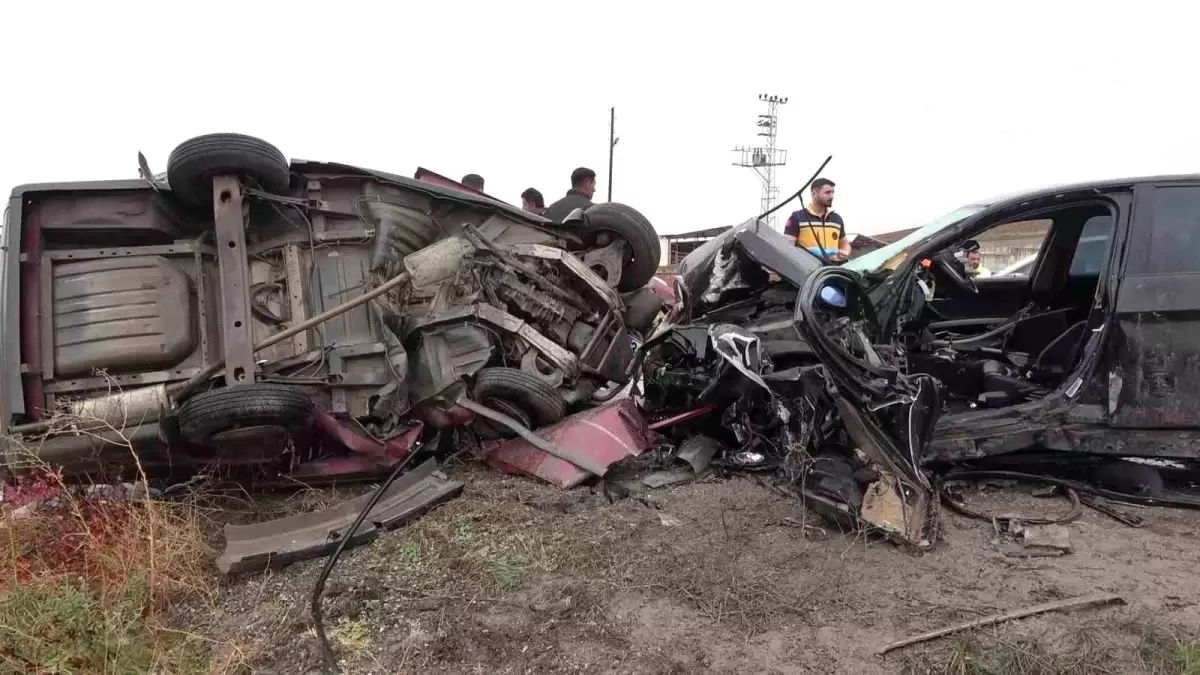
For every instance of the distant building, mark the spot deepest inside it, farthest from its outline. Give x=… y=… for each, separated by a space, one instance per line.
x=1000 y=246
x=675 y=248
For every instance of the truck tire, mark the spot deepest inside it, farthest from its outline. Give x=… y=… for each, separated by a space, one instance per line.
x=643 y=249
x=250 y=405
x=528 y=392
x=195 y=162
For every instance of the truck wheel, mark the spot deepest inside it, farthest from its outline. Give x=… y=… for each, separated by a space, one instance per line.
x=642 y=248
x=195 y=162
x=250 y=405
x=527 y=392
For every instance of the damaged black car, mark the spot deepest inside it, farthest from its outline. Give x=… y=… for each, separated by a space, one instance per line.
x=863 y=383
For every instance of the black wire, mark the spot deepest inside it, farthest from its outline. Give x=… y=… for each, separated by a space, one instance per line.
x=799 y=192
x=318 y=622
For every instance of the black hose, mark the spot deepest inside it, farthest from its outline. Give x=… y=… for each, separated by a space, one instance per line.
x=799 y=192
x=318 y=621
x=1074 y=512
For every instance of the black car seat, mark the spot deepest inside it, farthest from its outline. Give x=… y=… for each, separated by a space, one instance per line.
x=1058 y=358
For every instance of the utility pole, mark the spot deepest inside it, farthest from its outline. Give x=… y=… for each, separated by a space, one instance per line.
x=764 y=158
x=612 y=143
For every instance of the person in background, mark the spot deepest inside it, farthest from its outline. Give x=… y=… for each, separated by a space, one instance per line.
x=473 y=181
x=974 y=260
x=583 y=187
x=817 y=228
x=532 y=201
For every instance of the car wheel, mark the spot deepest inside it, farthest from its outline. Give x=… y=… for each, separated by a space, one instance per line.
x=249 y=405
x=195 y=162
x=642 y=248
x=503 y=388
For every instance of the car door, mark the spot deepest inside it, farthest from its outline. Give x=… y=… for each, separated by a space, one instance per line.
x=1154 y=361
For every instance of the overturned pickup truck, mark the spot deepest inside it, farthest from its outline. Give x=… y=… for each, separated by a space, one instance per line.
x=301 y=320
x=860 y=382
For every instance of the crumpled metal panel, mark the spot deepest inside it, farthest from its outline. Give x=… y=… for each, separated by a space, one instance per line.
x=606 y=434
x=283 y=541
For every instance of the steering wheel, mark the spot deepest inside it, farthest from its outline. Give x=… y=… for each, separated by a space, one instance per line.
x=956 y=271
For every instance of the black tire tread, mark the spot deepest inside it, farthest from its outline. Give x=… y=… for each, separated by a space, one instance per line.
x=638 y=233
x=247 y=405
x=543 y=402
x=195 y=161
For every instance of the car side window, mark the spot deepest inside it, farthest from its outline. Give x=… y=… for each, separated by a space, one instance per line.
x=1092 y=248
x=1011 y=249
x=1174 y=245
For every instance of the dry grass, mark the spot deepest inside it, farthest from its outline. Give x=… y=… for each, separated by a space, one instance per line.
x=484 y=544
x=86 y=580
x=1098 y=647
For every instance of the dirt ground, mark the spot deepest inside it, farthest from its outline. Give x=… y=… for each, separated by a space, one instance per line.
x=720 y=575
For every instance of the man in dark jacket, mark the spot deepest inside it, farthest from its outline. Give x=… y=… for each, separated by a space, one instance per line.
x=532 y=201
x=473 y=181
x=583 y=186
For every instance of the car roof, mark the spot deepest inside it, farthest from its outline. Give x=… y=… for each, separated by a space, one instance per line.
x=1098 y=185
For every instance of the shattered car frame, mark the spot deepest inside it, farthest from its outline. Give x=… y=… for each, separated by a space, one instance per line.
x=241 y=297
x=856 y=368
x=1095 y=354
x=784 y=391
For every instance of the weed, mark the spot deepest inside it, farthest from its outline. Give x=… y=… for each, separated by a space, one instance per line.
x=1164 y=650
x=1159 y=650
x=86 y=578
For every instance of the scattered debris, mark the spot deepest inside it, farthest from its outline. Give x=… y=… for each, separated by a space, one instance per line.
x=280 y=542
x=675 y=476
x=668 y=520
x=1083 y=602
x=1100 y=505
x=698 y=451
x=593 y=439
x=1055 y=538
x=953 y=498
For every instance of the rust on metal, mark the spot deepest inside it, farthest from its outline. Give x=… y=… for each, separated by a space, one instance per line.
x=235 y=283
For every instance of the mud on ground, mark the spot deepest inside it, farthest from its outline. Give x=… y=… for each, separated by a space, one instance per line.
x=722 y=575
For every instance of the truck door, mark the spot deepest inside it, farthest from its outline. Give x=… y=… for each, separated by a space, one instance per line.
x=1154 y=362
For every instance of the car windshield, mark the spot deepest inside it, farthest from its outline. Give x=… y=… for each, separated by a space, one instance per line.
x=889 y=258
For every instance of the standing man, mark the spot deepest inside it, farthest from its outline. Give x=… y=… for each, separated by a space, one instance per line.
x=532 y=201
x=974 y=262
x=817 y=228
x=473 y=181
x=583 y=186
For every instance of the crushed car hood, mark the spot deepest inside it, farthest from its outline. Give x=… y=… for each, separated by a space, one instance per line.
x=784 y=346
x=735 y=263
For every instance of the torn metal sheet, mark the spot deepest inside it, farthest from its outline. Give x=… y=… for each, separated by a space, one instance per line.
x=698 y=451
x=603 y=435
x=283 y=541
x=388 y=452
x=899 y=513
x=669 y=477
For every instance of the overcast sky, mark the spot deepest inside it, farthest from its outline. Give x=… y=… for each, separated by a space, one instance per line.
x=923 y=105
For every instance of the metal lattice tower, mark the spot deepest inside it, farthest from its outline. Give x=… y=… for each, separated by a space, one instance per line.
x=764 y=158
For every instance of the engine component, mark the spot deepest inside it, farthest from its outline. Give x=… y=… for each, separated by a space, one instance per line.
x=533 y=363
x=437 y=262
x=446 y=355
x=550 y=313
x=606 y=262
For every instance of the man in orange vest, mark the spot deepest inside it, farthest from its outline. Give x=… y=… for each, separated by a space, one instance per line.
x=817 y=228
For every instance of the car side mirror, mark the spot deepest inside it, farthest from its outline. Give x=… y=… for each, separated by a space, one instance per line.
x=575 y=216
